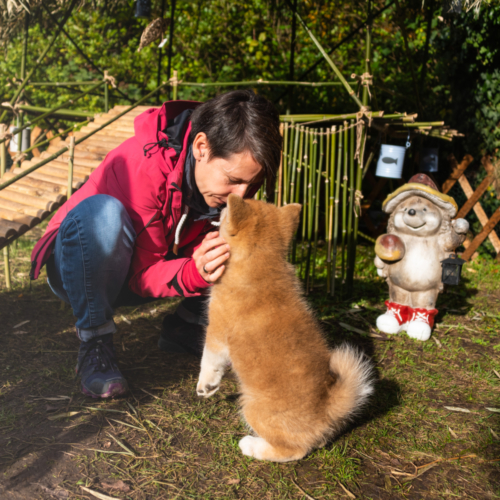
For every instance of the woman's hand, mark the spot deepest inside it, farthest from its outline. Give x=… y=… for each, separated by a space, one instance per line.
x=210 y=256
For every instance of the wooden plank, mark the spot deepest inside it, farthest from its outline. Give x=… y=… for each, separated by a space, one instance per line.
x=7 y=231
x=488 y=228
x=21 y=209
x=474 y=197
x=17 y=217
x=457 y=171
x=481 y=214
x=25 y=199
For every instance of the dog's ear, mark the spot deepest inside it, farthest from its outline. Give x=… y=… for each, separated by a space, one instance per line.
x=237 y=212
x=290 y=218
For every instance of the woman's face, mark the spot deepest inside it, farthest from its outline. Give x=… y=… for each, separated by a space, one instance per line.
x=218 y=178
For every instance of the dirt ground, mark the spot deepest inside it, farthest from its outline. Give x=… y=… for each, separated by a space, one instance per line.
x=431 y=431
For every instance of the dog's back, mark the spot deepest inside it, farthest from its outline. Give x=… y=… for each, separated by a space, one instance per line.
x=295 y=392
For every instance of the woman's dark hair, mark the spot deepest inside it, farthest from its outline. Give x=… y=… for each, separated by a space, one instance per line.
x=240 y=121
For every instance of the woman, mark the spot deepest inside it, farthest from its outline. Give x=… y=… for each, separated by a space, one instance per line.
x=141 y=227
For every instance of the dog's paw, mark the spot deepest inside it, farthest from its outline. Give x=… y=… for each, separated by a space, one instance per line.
x=247 y=446
x=206 y=390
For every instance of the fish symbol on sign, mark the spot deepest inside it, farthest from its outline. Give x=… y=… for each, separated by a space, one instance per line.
x=387 y=159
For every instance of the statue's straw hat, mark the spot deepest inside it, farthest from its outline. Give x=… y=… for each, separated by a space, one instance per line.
x=420 y=185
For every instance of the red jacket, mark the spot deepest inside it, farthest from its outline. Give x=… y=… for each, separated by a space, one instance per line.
x=149 y=187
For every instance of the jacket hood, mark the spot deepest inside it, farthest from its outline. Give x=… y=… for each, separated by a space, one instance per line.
x=149 y=130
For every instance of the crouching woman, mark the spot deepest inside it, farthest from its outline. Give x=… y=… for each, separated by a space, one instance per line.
x=141 y=228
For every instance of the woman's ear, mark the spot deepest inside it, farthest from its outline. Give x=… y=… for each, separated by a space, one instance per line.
x=237 y=212
x=290 y=218
x=200 y=146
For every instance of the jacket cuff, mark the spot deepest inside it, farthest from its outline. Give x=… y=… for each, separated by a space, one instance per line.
x=192 y=279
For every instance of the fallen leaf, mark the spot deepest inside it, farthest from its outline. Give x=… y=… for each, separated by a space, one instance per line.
x=234 y=481
x=470 y=270
x=21 y=324
x=97 y=494
x=455 y=408
x=64 y=415
x=19 y=332
x=153 y=311
x=496 y=373
x=454 y=435
x=496 y=410
x=494 y=434
x=115 y=485
x=107 y=444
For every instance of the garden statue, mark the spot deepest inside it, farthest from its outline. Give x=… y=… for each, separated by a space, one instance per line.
x=420 y=235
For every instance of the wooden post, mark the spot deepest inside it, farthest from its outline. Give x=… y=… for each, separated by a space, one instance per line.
x=487 y=229
x=280 y=173
x=175 y=83
x=3 y=151
x=70 y=165
x=106 y=97
x=8 y=284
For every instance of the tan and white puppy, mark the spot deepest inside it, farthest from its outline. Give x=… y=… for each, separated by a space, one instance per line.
x=296 y=392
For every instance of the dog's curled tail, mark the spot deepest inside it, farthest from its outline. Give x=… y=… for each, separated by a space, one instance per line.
x=353 y=374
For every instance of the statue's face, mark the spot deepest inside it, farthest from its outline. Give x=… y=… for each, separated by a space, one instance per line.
x=418 y=216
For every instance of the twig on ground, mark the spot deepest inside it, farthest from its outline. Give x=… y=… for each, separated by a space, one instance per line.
x=309 y=497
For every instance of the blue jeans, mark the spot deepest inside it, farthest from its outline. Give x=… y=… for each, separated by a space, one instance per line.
x=90 y=264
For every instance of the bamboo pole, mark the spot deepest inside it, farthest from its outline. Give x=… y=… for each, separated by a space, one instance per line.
x=317 y=195
x=330 y=205
x=346 y=85
x=106 y=97
x=284 y=178
x=310 y=207
x=61 y=84
x=17 y=93
x=70 y=166
x=350 y=241
x=80 y=139
x=253 y=83
x=3 y=151
x=175 y=86
x=57 y=108
x=327 y=205
x=68 y=113
x=305 y=160
x=279 y=184
x=296 y=159
x=336 y=210
x=344 y=203
x=6 y=262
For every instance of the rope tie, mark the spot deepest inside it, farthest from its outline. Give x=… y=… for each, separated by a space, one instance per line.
x=4 y=133
x=108 y=78
x=15 y=108
x=19 y=158
x=358 y=196
x=365 y=79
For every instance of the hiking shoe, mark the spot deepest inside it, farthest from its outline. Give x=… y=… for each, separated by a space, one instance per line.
x=179 y=336
x=98 y=370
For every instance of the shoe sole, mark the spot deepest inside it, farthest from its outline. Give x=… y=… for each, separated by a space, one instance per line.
x=114 y=390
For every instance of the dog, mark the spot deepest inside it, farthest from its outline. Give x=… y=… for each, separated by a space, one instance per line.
x=296 y=393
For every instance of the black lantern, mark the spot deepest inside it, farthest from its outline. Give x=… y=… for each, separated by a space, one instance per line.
x=143 y=8
x=452 y=268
